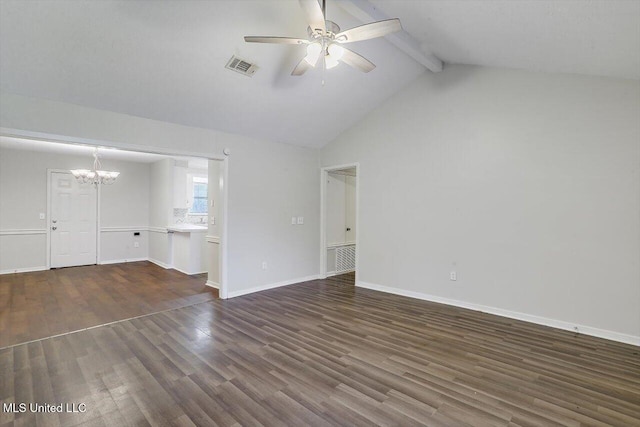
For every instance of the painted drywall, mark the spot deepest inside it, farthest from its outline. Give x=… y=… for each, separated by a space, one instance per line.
x=161 y=193
x=215 y=177
x=23 y=192
x=526 y=184
x=268 y=182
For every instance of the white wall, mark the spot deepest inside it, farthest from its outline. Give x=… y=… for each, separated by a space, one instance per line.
x=23 y=194
x=268 y=182
x=527 y=184
x=160 y=212
x=214 y=195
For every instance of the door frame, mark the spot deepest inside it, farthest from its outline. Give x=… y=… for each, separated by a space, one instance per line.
x=224 y=243
x=324 y=175
x=50 y=172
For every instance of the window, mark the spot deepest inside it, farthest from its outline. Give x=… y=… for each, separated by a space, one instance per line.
x=199 y=205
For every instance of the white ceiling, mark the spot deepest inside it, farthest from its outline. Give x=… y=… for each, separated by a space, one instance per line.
x=12 y=143
x=165 y=59
x=594 y=37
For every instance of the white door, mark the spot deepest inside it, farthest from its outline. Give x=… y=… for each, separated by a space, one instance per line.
x=73 y=221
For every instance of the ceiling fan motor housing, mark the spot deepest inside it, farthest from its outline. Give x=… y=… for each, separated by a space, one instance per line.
x=332 y=30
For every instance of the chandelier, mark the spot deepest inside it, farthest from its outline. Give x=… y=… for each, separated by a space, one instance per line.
x=95 y=176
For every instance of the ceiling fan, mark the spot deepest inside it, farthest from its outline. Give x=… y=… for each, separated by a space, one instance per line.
x=326 y=39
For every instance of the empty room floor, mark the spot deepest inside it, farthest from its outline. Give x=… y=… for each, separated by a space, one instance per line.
x=46 y=303
x=325 y=353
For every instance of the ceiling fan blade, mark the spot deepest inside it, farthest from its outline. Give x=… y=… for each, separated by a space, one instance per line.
x=349 y=57
x=274 y=39
x=313 y=12
x=302 y=67
x=369 y=31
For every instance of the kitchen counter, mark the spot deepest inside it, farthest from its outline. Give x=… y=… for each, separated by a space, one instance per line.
x=187 y=228
x=188 y=247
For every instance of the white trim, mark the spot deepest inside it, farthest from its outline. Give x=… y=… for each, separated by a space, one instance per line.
x=554 y=323
x=212 y=239
x=339 y=245
x=160 y=263
x=324 y=174
x=122 y=261
x=271 y=286
x=98 y=233
x=23 y=270
x=23 y=231
x=212 y=284
x=123 y=229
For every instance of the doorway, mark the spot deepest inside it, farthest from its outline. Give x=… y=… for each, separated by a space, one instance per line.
x=339 y=220
x=72 y=221
x=112 y=231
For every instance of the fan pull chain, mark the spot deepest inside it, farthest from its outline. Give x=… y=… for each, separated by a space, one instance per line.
x=324 y=62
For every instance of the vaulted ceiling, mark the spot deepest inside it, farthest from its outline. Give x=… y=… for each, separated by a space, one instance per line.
x=165 y=60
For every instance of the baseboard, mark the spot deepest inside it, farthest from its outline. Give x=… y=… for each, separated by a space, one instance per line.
x=23 y=270
x=272 y=286
x=212 y=284
x=558 y=324
x=121 y=261
x=160 y=263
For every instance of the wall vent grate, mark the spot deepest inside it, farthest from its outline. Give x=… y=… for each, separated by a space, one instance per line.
x=241 y=66
x=345 y=258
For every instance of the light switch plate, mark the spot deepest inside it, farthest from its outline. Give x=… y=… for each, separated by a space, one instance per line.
x=293 y=220
x=136 y=244
x=213 y=220
x=300 y=220
x=41 y=216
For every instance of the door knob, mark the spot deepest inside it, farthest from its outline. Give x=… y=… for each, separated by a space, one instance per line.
x=54 y=220
x=54 y=228
x=348 y=229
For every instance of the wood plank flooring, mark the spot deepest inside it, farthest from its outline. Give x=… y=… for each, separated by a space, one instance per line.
x=46 y=303
x=324 y=353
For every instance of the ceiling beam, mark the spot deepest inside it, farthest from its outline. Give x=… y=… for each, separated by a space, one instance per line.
x=366 y=12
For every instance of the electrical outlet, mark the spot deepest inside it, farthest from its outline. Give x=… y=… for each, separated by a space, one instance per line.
x=264 y=265
x=300 y=220
x=294 y=220
x=453 y=276
x=136 y=244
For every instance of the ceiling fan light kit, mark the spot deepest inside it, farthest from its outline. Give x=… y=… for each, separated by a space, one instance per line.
x=326 y=40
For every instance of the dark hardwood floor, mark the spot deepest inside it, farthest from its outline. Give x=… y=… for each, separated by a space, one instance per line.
x=46 y=303
x=324 y=353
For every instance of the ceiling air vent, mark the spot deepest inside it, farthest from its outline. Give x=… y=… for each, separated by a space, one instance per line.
x=242 y=67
